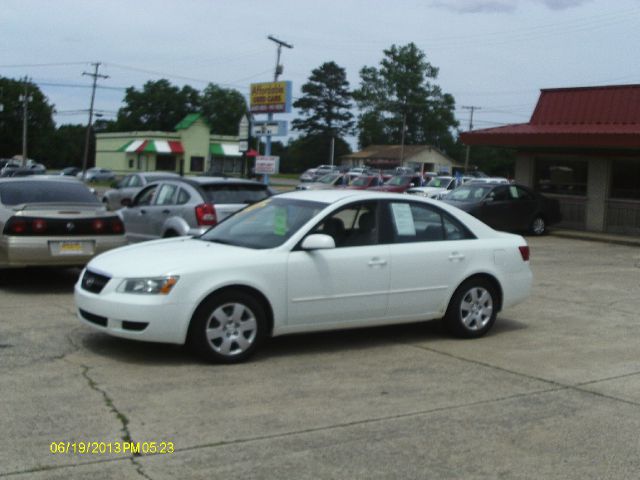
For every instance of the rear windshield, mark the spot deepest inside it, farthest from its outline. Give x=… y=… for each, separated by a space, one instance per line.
x=235 y=193
x=19 y=192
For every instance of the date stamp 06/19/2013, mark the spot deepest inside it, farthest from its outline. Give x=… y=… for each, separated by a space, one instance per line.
x=113 y=447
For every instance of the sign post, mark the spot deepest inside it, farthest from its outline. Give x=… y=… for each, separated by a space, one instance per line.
x=271 y=97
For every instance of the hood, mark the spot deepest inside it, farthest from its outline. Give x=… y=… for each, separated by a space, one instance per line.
x=167 y=256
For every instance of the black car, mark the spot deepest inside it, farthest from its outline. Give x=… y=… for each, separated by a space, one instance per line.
x=507 y=206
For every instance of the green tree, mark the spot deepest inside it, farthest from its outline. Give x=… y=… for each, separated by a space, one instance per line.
x=40 y=125
x=158 y=106
x=325 y=114
x=223 y=108
x=310 y=151
x=401 y=93
x=67 y=147
x=325 y=103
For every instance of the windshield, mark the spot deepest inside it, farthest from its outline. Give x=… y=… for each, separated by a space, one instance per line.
x=439 y=182
x=267 y=224
x=469 y=193
x=19 y=192
x=399 y=181
x=235 y=193
x=360 y=182
x=328 y=178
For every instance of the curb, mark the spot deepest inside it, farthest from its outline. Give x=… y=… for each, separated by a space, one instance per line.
x=629 y=241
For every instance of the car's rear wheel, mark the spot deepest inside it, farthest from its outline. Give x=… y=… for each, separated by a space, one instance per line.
x=538 y=226
x=472 y=310
x=227 y=327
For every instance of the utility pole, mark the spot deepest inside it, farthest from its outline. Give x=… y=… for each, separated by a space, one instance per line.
x=466 y=158
x=277 y=72
x=25 y=114
x=404 y=127
x=95 y=76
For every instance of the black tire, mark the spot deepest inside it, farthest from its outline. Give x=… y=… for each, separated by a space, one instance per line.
x=227 y=327
x=472 y=310
x=538 y=226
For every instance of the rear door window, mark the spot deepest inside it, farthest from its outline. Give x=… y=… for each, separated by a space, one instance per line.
x=235 y=193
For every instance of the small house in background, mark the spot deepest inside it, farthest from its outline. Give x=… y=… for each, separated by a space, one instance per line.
x=419 y=157
x=191 y=149
x=581 y=146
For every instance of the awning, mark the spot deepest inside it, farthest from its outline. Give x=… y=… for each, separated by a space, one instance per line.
x=225 y=149
x=152 y=146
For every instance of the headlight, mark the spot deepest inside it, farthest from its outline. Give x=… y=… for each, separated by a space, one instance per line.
x=153 y=286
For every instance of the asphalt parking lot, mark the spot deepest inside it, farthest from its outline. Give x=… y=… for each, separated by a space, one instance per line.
x=552 y=392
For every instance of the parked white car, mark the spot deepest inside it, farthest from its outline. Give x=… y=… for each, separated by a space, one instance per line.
x=435 y=188
x=303 y=262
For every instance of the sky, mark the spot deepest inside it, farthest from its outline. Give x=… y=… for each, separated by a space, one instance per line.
x=494 y=55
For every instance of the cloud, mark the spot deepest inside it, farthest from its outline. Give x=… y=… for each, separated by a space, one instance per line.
x=501 y=6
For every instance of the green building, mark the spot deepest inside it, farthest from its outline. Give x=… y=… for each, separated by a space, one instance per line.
x=191 y=149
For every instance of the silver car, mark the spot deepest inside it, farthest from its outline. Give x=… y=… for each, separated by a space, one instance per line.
x=53 y=221
x=187 y=206
x=130 y=185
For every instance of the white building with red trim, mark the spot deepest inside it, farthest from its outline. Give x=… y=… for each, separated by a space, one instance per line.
x=191 y=149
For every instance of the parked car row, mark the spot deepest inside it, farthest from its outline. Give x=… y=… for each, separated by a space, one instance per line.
x=494 y=200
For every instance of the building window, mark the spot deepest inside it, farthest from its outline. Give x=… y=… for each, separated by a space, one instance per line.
x=625 y=179
x=561 y=176
x=196 y=164
x=130 y=163
x=166 y=162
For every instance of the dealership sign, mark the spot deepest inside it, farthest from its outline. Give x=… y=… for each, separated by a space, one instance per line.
x=271 y=97
x=267 y=165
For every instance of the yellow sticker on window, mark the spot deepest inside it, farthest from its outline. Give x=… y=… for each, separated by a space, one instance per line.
x=280 y=222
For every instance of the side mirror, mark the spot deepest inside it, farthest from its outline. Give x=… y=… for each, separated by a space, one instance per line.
x=115 y=184
x=126 y=202
x=318 y=241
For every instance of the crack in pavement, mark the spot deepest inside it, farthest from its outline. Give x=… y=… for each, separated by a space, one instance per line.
x=122 y=418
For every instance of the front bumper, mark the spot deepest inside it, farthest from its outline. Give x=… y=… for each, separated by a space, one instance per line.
x=151 y=318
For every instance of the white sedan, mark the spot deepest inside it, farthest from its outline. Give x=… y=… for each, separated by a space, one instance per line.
x=303 y=262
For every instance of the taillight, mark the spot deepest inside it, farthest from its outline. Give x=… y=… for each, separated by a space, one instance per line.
x=15 y=226
x=98 y=225
x=117 y=226
x=38 y=225
x=524 y=251
x=206 y=214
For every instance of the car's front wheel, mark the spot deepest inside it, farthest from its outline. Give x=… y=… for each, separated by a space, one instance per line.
x=227 y=327
x=472 y=310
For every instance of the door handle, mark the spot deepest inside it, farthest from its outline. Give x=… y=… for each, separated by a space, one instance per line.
x=456 y=257
x=377 y=262
x=167 y=211
x=143 y=211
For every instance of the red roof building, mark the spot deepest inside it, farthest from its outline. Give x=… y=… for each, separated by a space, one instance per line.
x=581 y=145
x=593 y=117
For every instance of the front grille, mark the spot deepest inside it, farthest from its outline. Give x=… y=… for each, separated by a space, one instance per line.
x=93 y=282
x=93 y=318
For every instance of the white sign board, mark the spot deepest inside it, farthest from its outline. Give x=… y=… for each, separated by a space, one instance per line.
x=267 y=165
x=243 y=145
x=274 y=129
